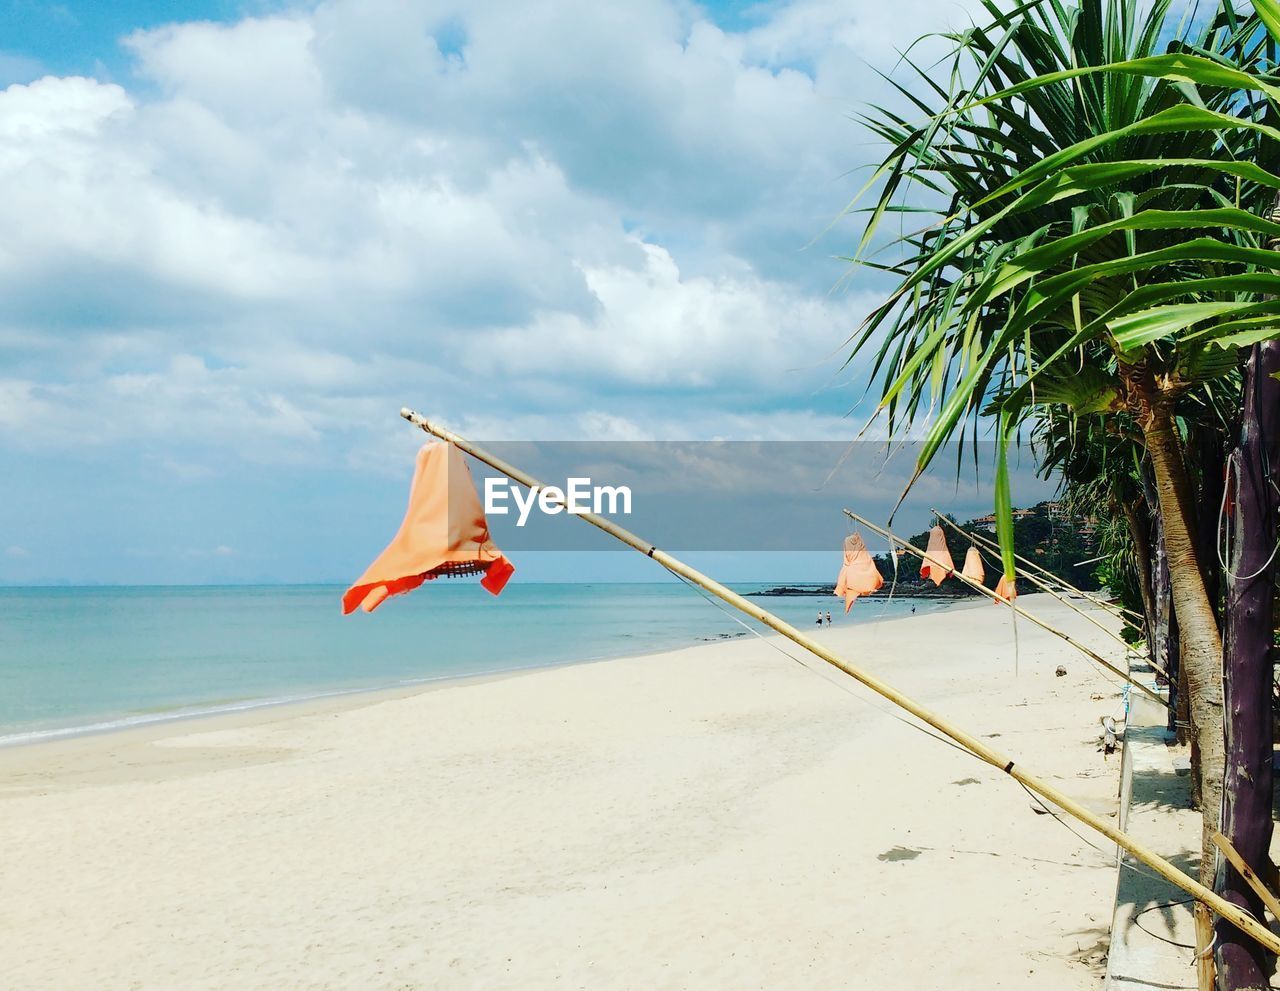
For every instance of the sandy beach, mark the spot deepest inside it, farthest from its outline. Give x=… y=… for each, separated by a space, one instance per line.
x=714 y=817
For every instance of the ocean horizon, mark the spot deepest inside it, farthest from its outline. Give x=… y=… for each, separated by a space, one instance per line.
x=96 y=658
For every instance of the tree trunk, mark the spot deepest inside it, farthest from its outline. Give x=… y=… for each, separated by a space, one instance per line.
x=1211 y=459
x=1162 y=588
x=1247 y=791
x=1139 y=533
x=1164 y=645
x=1201 y=643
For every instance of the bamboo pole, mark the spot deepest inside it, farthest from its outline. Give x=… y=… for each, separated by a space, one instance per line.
x=1092 y=655
x=1044 y=587
x=993 y=546
x=1206 y=969
x=1232 y=913
x=1251 y=878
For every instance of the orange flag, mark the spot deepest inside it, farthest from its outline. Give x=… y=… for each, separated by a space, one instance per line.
x=937 y=558
x=973 y=568
x=1007 y=588
x=859 y=575
x=444 y=533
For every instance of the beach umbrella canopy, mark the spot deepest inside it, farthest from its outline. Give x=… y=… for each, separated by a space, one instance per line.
x=937 y=558
x=973 y=566
x=444 y=533
x=859 y=574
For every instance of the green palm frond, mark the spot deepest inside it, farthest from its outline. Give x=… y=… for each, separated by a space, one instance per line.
x=1090 y=191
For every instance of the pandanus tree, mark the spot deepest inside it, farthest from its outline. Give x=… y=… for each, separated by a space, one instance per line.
x=1102 y=471
x=1082 y=221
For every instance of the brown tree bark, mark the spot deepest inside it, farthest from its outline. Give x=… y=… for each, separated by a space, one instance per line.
x=1164 y=646
x=1250 y=583
x=1139 y=533
x=1211 y=462
x=1201 y=655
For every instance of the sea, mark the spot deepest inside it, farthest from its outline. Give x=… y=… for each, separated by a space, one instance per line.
x=86 y=660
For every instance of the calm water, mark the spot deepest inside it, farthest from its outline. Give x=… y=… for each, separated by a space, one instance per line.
x=73 y=659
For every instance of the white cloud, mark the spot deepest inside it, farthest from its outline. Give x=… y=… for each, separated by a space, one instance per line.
x=566 y=218
x=259 y=71
x=15 y=551
x=654 y=327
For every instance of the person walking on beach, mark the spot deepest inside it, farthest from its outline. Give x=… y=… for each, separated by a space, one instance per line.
x=828 y=617
x=819 y=617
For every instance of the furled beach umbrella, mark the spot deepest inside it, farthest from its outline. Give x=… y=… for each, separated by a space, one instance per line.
x=859 y=574
x=1029 y=573
x=937 y=562
x=444 y=533
x=973 y=566
x=1007 y=589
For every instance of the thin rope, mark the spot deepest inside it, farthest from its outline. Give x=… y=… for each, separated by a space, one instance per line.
x=822 y=673
x=847 y=689
x=1120 y=857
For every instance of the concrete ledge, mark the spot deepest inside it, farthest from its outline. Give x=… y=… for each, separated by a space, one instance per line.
x=1151 y=916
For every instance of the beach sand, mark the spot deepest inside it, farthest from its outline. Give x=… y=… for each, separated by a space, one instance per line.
x=708 y=818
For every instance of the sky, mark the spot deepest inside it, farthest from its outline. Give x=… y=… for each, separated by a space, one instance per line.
x=244 y=235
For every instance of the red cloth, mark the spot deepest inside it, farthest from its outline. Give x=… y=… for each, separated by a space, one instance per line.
x=937 y=558
x=859 y=575
x=444 y=532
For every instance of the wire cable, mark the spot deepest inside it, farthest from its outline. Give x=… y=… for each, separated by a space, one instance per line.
x=845 y=687
x=821 y=673
x=1224 y=537
x=1163 y=939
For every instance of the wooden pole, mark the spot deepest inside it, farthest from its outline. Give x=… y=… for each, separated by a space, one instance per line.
x=1251 y=878
x=1248 y=655
x=992 y=546
x=1232 y=913
x=1206 y=971
x=1044 y=587
x=1092 y=655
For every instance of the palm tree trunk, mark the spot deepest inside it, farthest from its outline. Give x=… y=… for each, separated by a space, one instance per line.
x=1246 y=809
x=1138 y=533
x=1211 y=461
x=1201 y=656
x=1163 y=643
x=1162 y=588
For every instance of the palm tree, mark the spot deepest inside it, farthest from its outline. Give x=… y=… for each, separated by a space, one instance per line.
x=1093 y=187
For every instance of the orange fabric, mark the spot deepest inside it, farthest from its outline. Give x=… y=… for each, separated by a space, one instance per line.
x=973 y=568
x=444 y=532
x=1007 y=588
x=859 y=575
x=937 y=560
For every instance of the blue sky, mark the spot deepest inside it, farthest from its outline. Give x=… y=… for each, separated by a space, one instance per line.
x=250 y=233
x=83 y=38
x=79 y=38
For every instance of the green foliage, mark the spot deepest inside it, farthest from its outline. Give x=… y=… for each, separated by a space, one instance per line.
x=1087 y=197
x=1118 y=569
